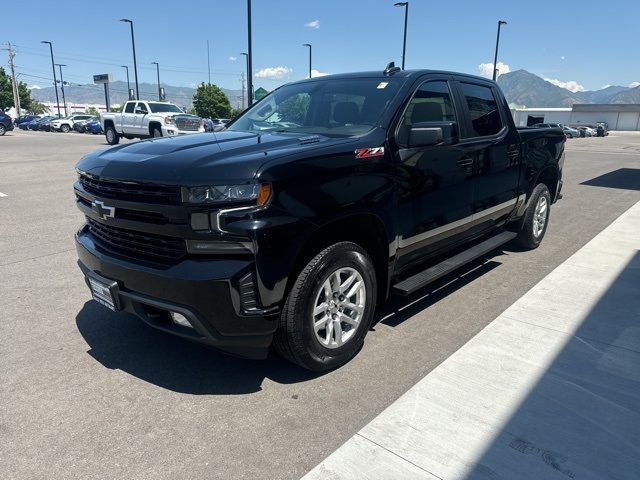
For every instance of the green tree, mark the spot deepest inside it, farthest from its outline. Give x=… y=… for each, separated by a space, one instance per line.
x=294 y=109
x=6 y=93
x=211 y=102
x=235 y=113
x=93 y=111
x=36 y=108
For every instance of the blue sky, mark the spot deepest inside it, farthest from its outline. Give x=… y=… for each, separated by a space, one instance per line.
x=590 y=42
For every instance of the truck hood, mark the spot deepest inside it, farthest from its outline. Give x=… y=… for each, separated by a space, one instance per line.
x=218 y=158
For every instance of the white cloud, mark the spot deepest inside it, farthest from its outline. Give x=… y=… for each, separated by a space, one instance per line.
x=233 y=59
x=562 y=57
x=486 y=69
x=35 y=87
x=273 y=73
x=313 y=24
x=634 y=84
x=570 y=85
x=316 y=73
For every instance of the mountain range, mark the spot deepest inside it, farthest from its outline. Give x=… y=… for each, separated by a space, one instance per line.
x=524 y=88
x=94 y=94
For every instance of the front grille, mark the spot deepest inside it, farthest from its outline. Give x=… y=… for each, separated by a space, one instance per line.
x=128 y=214
x=137 y=244
x=188 y=124
x=131 y=191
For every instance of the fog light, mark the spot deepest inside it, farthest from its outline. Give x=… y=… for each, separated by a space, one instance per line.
x=179 y=319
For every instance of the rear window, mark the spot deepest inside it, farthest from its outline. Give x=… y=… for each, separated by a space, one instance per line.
x=483 y=109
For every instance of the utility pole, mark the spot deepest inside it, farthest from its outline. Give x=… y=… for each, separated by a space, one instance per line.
x=14 y=85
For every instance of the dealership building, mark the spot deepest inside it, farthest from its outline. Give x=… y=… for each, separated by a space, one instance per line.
x=616 y=116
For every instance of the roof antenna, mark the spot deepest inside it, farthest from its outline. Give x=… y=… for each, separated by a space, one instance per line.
x=391 y=68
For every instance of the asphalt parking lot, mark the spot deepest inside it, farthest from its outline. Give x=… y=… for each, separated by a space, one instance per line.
x=86 y=393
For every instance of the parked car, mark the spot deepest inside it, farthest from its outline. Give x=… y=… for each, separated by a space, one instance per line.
x=36 y=124
x=79 y=126
x=65 y=124
x=293 y=234
x=570 y=132
x=601 y=130
x=548 y=125
x=25 y=118
x=141 y=119
x=219 y=123
x=94 y=127
x=6 y=123
x=45 y=126
x=586 y=131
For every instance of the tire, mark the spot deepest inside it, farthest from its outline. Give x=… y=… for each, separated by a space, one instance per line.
x=532 y=232
x=64 y=128
x=297 y=340
x=111 y=135
x=3 y=130
x=156 y=132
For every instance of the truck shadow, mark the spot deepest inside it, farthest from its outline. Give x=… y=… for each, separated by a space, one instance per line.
x=121 y=341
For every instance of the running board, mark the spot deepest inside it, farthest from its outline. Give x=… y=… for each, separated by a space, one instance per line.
x=419 y=280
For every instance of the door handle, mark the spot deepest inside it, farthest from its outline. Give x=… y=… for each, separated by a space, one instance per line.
x=465 y=162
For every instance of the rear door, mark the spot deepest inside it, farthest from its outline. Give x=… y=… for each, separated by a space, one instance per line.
x=434 y=187
x=139 y=124
x=492 y=142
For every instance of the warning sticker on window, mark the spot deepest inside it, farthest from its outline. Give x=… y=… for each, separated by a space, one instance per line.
x=382 y=84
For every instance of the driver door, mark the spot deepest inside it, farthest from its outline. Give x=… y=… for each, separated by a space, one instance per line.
x=140 y=127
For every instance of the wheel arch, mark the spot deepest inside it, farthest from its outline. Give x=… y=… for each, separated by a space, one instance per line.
x=364 y=229
x=154 y=124
x=549 y=176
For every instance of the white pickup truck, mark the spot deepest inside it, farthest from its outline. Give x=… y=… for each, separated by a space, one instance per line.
x=142 y=119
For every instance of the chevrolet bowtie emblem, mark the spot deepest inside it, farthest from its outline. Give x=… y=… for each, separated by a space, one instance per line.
x=104 y=211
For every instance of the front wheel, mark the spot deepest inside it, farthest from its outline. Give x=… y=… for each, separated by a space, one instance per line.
x=536 y=218
x=111 y=135
x=329 y=309
x=156 y=132
x=3 y=130
x=65 y=128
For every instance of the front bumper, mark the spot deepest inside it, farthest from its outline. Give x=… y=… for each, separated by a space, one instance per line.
x=202 y=290
x=171 y=131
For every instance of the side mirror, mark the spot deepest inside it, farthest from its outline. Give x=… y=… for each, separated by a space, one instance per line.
x=425 y=134
x=141 y=111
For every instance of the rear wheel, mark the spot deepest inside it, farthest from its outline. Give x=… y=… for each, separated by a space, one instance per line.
x=65 y=128
x=111 y=135
x=329 y=309
x=536 y=218
x=3 y=130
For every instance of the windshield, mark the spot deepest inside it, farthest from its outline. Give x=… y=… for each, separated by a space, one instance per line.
x=340 y=107
x=163 y=107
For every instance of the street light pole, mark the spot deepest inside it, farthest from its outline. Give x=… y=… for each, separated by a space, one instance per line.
x=158 y=72
x=55 y=80
x=495 y=58
x=308 y=45
x=135 y=63
x=406 y=16
x=128 y=84
x=249 y=53
x=64 y=100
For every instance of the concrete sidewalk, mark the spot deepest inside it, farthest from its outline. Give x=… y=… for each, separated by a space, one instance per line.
x=549 y=390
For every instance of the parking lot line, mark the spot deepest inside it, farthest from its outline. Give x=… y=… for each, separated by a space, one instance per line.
x=3 y=194
x=549 y=389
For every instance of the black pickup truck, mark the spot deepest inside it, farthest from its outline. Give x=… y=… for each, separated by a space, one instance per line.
x=311 y=208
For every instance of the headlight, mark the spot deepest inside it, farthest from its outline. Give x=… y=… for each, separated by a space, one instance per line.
x=260 y=192
x=169 y=120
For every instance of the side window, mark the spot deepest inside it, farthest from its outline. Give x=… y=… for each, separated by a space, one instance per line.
x=129 y=107
x=483 y=109
x=431 y=103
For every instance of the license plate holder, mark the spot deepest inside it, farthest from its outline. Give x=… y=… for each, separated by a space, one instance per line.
x=104 y=291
